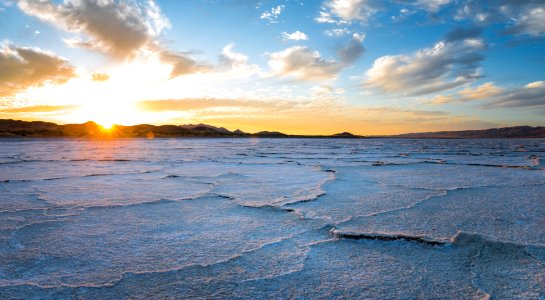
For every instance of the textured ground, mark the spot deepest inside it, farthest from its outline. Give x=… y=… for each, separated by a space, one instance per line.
x=280 y=218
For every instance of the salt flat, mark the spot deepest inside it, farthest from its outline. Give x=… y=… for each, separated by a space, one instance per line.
x=277 y=218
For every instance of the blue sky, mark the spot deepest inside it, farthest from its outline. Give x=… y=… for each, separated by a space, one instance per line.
x=370 y=67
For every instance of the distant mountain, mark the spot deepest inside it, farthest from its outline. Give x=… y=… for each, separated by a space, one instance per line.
x=15 y=128
x=206 y=128
x=270 y=133
x=505 y=132
x=344 y=134
x=24 y=125
x=23 y=128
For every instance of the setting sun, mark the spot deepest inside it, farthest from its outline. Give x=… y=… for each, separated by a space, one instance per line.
x=106 y=126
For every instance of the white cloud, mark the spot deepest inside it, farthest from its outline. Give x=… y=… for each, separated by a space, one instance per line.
x=235 y=64
x=302 y=63
x=325 y=17
x=229 y=57
x=120 y=29
x=305 y=64
x=272 y=15
x=295 y=36
x=403 y=14
x=536 y=85
x=346 y=11
x=444 y=66
x=337 y=31
x=116 y=28
x=431 y=5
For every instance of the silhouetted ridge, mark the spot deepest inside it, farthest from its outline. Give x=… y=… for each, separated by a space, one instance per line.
x=270 y=133
x=505 y=132
x=206 y=128
x=344 y=134
x=15 y=128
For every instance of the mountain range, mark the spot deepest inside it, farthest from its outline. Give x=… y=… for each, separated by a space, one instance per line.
x=17 y=128
x=505 y=132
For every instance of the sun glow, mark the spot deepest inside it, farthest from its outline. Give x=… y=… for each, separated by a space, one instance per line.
x=106 y=125
x=111 y=113
x=109 y=102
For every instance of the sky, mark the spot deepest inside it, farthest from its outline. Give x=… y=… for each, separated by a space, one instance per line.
x=301 y=67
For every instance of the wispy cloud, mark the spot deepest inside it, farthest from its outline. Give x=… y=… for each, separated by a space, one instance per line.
x=431 y=5
x=361 y=11
x=480 y=92
x=273 y=14
x=344 y=12
x=520 y=17
x=531 y=95
x=295 y=36
x=39 y=109
x=302 y=63
x=98 y=76
x=446 y=65
x=491 y=96
x=337 y=31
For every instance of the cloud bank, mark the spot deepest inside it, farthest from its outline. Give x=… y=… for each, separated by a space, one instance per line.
x=446 y=65
x=117 y=28
x=302 y=63
x=22 y=67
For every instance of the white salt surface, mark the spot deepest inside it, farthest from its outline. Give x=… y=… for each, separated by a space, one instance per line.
x=272 y=218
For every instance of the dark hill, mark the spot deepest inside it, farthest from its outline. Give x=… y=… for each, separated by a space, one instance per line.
x=505 y=132
x=206 y=128
x=270 y=133
x=344 y=134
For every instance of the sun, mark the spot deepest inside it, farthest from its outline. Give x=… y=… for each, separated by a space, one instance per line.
x=111 y=113
x=106 y=125
x=106 y=118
